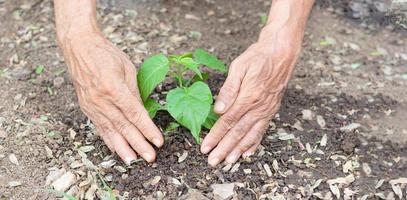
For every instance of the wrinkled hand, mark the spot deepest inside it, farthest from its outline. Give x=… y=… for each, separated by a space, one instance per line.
x=106 y=85
x=250 y=96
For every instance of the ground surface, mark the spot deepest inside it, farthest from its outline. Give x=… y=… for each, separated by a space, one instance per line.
x=341 y=128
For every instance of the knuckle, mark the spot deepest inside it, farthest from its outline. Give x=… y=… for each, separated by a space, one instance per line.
x=121 y=126
x=134 y=143
x=247 y=144
x=135 y=116
x=228 y=121
x=228 y=90
x=238 y=134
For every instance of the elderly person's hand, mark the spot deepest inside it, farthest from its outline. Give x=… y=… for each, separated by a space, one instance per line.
x=253 y=90
x=105 y=83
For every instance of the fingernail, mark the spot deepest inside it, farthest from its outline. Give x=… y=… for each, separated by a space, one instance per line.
x=205 y=149
x=219 y=106
x=157 y=142
x=128 y=160
x=247 y=154
x=232 y=159
x=148 y=157
x=213 y=162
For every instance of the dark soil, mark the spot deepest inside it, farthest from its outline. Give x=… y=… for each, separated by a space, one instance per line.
x=196 y=173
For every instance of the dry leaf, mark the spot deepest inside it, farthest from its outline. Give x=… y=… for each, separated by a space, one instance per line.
x=316 y=184
x=397 y=190
x=335 y=190
x=13 y=159
x=342 y=180
x=379 y=183
x=347 y=166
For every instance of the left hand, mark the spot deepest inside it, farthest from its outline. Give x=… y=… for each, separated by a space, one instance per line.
x=251 y=95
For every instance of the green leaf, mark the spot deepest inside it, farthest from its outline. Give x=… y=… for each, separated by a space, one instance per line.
x=171 y=127
x=151 y=73
x=203 y=57
x=211 y=119
x=39 y=69
x=203 y=78
x=190 y=106
x=191 y=64
x=263 y=19
x=152 y=107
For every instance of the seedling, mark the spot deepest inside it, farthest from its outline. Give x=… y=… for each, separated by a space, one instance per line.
x=190 y=102
x=39 y=69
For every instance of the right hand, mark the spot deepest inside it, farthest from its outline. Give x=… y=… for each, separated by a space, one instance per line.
x=105 y=82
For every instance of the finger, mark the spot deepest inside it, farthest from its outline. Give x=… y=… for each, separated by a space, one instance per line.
x=134 y=112
x=250 y=142
x=118 y=143
x=226 y=122
x=230 y=89
x=122 y=148
x=231 y=139
x=105 y=137
x=131 y=79
x=130 y=133
x=251 y=150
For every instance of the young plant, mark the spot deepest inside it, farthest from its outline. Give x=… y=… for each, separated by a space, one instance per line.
x=190 y=102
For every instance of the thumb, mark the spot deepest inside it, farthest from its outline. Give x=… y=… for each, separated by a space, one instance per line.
x=229 y=91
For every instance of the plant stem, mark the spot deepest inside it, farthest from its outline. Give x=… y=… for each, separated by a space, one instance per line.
x=179 y=74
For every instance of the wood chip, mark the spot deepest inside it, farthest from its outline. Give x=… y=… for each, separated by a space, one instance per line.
x=366 y=168
x=268 y=170
x=155 y=180
x=108 y=164
x=14 y=183
x=223 y=191
x=64 y=182
x=90 y=194
x=321 y=121
x=227 y=167
x=86 y=149
x=324 y=140
x=182 y=157
x=307 y=114
x=398 y=181
x=308 y=148
x=350 y=127
x=235 y=168
x=13 y=159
